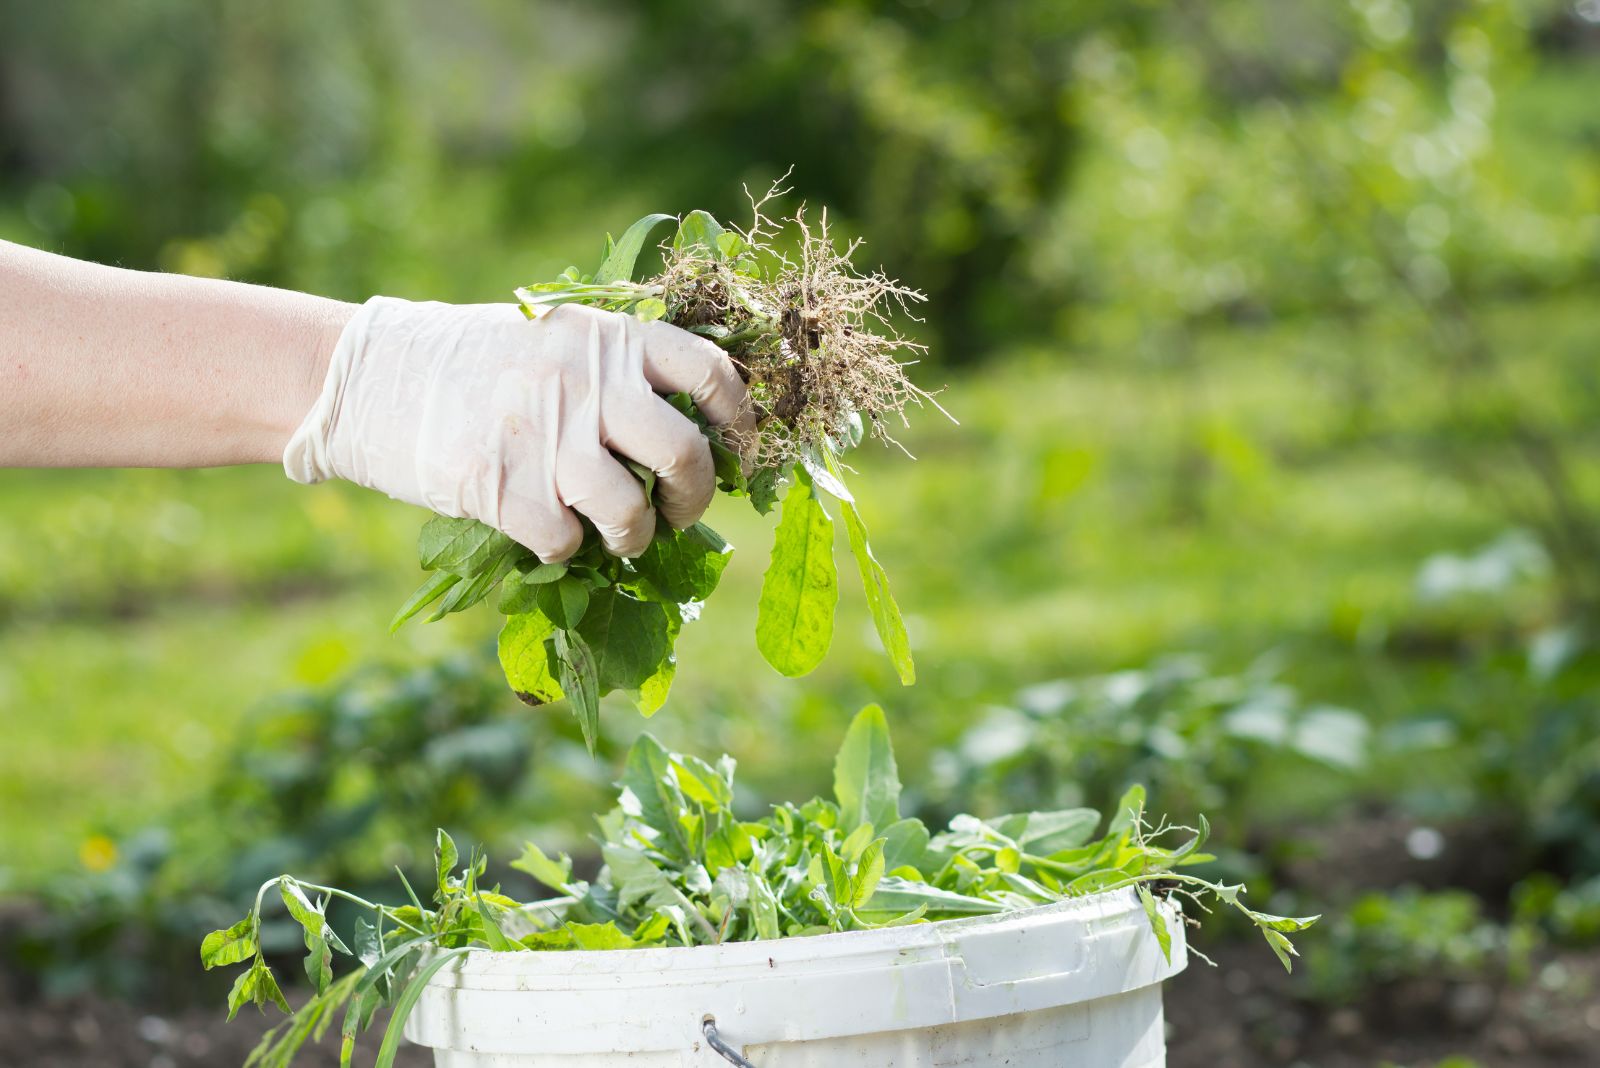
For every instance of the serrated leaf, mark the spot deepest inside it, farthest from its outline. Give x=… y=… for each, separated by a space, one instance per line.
x=794 y=619
x=554 y=874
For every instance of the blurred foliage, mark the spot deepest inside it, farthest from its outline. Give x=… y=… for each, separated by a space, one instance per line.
x=1408 y=934
x=1570 y=913
x=329 y=781
x=1199 y=741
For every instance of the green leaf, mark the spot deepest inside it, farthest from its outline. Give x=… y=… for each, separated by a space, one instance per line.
x=580 y=681
x=492 y=934
x=436 y=586
x=1129 y=810
x=563 y=601
x=256 y=985
x=730 y=246
x=650 y=696
x=517 y=593
x=229 y=946
x=593 y=936
x=392 y=958
x=599 y=936
x=1282 y=947
x=1096 y=881
x=319 y=958
x=244 y=988
x=552 y=873
x=896 y=896
x=464 y=595
x=794 y=619
x=422 y=915
x=866 y=782
x=698 y=228
x=406 y=1002
x=685 y=565
x=357 y=1019
x=1047 y=833
x=648 y=775
x=267 y=991
x=763 y=489
x=623 y=255
x=445 y=857
x=524 y=659
x=763 y=908
x=886 y=618
x=628 y=638
x=1268 y=921
x=728 y=466
x=461 y=546
x=1158 y=922
x=869 y=872
x=905 y=843
x=368 y=945
x=650 y=309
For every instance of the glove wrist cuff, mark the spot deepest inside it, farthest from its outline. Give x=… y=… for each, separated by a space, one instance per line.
x=307 y=458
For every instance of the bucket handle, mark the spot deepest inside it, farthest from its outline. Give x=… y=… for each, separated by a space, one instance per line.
x=708 y=1026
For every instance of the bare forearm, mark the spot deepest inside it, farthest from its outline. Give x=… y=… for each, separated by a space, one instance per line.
x=106 y=367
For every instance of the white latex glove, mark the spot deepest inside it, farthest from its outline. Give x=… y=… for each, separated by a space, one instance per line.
x=474 y=411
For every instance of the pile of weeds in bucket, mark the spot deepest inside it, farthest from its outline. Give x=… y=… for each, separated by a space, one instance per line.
x=682 y=869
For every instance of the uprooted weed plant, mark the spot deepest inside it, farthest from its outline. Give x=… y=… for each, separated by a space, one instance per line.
x=681 y=869
x=815 y=341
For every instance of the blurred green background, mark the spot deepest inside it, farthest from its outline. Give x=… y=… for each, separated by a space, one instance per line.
x=1273 y=333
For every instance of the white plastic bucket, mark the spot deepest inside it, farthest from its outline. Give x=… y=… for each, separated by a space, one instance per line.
x=1077 y=983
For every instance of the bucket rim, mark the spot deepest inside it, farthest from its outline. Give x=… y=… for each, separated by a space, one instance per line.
x=900 y=942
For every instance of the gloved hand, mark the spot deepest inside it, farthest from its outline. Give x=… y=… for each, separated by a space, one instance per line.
x=474 y=411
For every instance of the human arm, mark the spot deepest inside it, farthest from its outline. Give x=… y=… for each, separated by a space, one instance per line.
x=106 y=367
x=467 y=409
